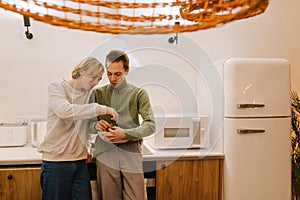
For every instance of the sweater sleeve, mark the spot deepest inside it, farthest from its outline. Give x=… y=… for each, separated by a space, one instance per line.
x=65 y=109
x=148 y=124
x=92 y=122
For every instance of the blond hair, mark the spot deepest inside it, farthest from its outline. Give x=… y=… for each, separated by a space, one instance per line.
x=90 y=65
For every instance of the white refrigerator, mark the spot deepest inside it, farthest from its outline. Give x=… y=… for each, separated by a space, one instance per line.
x=257 y=129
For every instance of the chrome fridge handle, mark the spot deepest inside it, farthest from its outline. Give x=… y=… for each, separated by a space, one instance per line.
x=250 y=105
x=246 y=131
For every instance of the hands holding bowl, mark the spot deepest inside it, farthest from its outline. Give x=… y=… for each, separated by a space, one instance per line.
x=110 y=132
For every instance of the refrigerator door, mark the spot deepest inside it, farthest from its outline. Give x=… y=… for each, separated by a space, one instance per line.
x=257 y=87
x=257 y=159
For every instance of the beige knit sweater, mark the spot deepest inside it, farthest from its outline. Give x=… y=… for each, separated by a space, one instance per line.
x=68 y=113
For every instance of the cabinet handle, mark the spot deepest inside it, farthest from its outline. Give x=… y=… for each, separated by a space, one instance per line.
x=250 y=105
x=163 y=166
x=247 y=131
x=9 y=177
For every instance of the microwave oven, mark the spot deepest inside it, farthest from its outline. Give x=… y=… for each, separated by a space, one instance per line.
x=179 y=132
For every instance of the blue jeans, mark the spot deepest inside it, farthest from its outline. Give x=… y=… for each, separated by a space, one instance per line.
x=65 y=180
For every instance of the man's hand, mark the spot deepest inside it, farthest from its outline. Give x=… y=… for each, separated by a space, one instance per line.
x=116 y=135
x=102 y=125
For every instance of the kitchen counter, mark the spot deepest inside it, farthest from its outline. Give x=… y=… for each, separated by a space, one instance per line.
x=19 y=155
x=29 y=155
x=179 y=154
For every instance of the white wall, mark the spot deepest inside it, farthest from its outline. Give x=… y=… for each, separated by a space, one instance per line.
x=27 y=66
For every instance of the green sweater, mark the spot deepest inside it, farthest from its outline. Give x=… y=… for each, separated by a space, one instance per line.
x=130 y=102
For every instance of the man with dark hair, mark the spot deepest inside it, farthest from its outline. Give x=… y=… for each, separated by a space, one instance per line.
x=118 y=149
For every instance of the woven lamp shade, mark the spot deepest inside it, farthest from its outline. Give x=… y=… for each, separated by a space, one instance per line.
x=136 y=16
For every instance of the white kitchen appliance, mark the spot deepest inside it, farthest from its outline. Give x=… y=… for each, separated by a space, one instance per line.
x=180 y=132
x=13 y=134
x=38 y=131
x=257 y=129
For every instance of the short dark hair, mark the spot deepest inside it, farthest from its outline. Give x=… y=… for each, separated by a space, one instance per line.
x=116 y=56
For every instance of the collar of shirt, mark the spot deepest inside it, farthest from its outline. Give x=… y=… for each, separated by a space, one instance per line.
x=120 y=87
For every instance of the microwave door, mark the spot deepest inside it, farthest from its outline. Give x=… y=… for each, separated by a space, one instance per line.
x=173 y=138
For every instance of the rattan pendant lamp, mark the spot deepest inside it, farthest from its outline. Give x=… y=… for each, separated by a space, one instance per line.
x=136 y=16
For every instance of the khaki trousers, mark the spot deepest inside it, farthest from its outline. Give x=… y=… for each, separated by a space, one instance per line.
x=120 y=174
